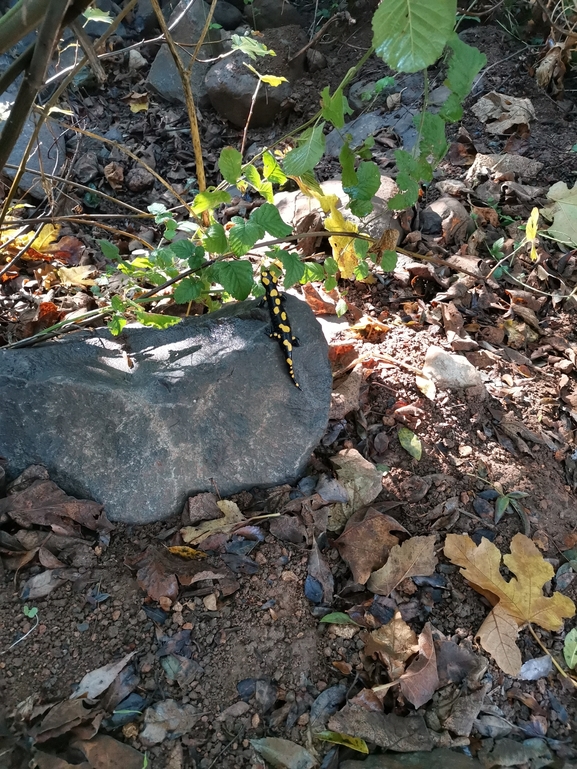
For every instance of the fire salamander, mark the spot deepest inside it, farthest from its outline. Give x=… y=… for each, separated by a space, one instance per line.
x=281 y=328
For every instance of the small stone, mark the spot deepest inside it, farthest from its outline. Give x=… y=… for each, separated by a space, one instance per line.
x=450 y=371
x=139 y=179
x=465 y=451
x=136 y=60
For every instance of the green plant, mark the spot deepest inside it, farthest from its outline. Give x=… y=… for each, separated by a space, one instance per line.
x=32 y=613
x=213 y=264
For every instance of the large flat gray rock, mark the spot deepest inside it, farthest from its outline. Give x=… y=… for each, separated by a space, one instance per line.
x=207 y=403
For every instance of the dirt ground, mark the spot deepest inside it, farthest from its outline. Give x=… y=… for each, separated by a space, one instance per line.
x=266 y=629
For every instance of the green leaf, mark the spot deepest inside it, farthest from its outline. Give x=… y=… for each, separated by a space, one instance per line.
x=452 y=110
x=157 y=208
x=117 y=304
x=307 y=155
x=347 y=161
x=433 y=139
x=360 y=208
x=341 y=307
x=243 y=235
x=361 y=192
x=30 y=611
x=209 y=199
x=271 y=169
x=313 y=272
x=335 y=107
x=250 y=46
x=410 y=442
x=570 y=649
x=268 y=217
x=410 y=35
x=187 y=290
x=215 y=241
x=183 y=249
x=331 y=266
x=294 y=268
x=96 y=14
x=338 y=618
x=501 y=506
x=330 y=283
x=155 y=320
x=361 y=270
x=336 y=738
x=388 y=261
x=230 y=164
x=361 y=248
x=110 y=250
x=197 y=259
x=252 y=176
x=236 y=278
x=116 y=324
x=465 y=64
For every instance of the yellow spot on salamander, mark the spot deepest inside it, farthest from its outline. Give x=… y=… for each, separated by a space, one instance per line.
x=287 y=344
x=284 y=328
x=283 y=316
x=289 y=362
x=276 y=310
x=273 y=292
x=277 y=301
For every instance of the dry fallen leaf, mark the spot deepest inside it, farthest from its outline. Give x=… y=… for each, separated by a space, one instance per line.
x=498 y=636
x=414 y=558
x=393 y=644
x=365 y=543
x=193 y=535
x=522 y=597
x=97 y=681
x=363 y=482
x=421 y=679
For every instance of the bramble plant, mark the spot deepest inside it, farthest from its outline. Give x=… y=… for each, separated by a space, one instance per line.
x=213 y=264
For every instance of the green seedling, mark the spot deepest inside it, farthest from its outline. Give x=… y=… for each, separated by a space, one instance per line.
x=32 y=613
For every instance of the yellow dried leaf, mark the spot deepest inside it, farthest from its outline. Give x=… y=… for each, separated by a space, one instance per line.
x=343 y=246
x=498 y=636
x=414 y=558
x=232 y=517
x=189 y=553
x=522 y=597
x=531 y=231
x=393 y=644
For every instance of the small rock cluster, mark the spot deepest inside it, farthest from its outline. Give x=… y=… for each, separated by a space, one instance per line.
x=228 y=84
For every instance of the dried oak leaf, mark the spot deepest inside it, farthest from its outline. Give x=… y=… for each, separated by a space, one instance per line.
x=421 y=679
x=366 y=542
x=519 y=601
x=414 y=558
x=393 y=644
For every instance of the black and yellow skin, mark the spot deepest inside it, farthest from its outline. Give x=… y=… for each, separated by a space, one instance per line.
x=281 y=327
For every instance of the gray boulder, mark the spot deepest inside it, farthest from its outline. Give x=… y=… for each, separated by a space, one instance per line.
x=163 y=76
x=227 y=15
x=231 y=85
x=207 y=404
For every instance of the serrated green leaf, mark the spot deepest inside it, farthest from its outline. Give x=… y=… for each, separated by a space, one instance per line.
x=96 y=14
x=410 y=35
x=271 y=169
x=368 y=181
x=243 y=235
x=293 y=267
x=208 y=200
x=183 y=249
x=230 y=164
x=360 y=208
x=335 y=107
x=501 y=506
x=570 y=649
x=388 y=261
x=336 y=738
x=452 y=110
x=215 y=241
x=156 y=208
x=361 y=248
x=410 y=442
x=330 y=283
x=156 y=320
x=268 y=217
x=236 y=278
x=313 y=272
x=116 y=324
x=109 y=250
x=465 y=64
x=338 y=618
x=361 y=271
x=306 y=156
x=187 y=290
